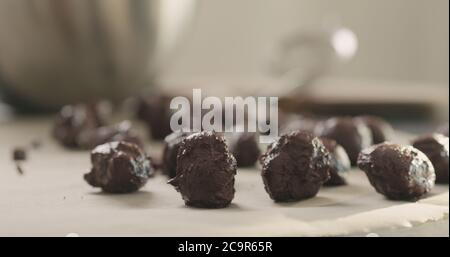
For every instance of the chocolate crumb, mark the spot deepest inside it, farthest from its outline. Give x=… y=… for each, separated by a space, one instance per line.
x=19 y=154
x=36 y=144
x=19 y=169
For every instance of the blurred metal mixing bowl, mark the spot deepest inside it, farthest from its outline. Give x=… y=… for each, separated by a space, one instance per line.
x=54 y=52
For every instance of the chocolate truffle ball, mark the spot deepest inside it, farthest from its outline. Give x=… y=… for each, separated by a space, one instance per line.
x=381 y=129
x=443 y=129
x=339 y=164
x=398 y=172
x=295 y=167
x=205 y=171
x=435 y=147
x=156 y=113
x=73 y=120
x=171 y=145
x=118 y=167
x=245 y=148
x=88 y=139
x=352 y=134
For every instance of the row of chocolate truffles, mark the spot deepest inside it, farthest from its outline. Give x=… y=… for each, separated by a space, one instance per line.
x=83 y=126
x=155 y=112
x=293 y=168
x=246 y=150
x=86 y=125
x=343 y=137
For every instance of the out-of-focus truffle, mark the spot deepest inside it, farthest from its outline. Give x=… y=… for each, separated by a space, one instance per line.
x=89 y=139
x=75 y=119
x=205 y=171
x=339 y=164
x=398 y=172
x=381 y=129
x=245 y=148
x=352 y=134
x=435 y=147
x=156 y=113
x=295 y=167
x=171 y=145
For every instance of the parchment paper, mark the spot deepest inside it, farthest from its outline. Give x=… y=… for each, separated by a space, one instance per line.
x=52 y=199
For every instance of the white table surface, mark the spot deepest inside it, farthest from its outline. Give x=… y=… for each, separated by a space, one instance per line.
x=51 y=198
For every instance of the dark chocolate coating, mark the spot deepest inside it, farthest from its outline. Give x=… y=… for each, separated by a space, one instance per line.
x=118 y=167
x=352 y=134
x=19 y=154
x=89 y=139
x=171 y=146
x=155 y=112
x=339 y=165
x=398 y=172
x=245 y=148
x=381 y=129
x=295 y=167
x=205 y=171
x=435 y=147
x=73 y=120
x=443 y=129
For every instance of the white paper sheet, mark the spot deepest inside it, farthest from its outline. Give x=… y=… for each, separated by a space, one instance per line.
x=52 y=198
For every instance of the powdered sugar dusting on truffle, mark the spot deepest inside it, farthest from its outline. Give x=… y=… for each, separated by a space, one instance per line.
x=105 y=148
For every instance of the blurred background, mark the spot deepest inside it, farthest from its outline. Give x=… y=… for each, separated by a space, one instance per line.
x=398 y=61
x=398 y=40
